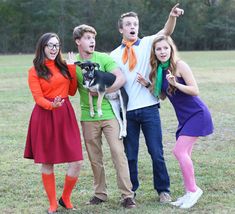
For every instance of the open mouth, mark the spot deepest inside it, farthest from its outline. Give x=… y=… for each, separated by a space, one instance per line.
x=91 y=46
x=132 y=32
x=53 y=54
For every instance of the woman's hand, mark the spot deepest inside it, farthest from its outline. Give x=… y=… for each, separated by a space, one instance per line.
x=58 y=101
x=171 y=78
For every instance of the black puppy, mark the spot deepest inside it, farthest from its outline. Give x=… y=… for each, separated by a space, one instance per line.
x=97 y=81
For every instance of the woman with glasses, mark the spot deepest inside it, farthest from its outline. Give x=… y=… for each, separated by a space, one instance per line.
x=53 y=133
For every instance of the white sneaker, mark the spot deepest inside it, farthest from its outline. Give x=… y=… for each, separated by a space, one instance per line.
x=191 y=199
x=179 y=201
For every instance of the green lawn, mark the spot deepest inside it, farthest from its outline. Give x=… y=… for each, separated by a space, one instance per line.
x=21 y=189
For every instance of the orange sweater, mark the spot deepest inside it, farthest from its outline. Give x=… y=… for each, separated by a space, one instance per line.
x=57 y=85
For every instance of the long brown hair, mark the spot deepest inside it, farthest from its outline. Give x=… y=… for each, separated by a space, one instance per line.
x=39 y=61
x=154 y=62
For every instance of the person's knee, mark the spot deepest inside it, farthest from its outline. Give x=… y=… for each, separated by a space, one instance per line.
x=119 y=156
x=178 y=153
x=74 y=168
x=156 y=153
x=78 y=165
x=47 y=168
x=175 y=152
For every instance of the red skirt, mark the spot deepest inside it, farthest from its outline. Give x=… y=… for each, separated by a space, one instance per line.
x=53 y=135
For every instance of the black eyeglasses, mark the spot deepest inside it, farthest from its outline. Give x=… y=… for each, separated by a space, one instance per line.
x=51 y=46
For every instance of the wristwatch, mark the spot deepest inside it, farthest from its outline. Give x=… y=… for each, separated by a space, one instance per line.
x=148 y=85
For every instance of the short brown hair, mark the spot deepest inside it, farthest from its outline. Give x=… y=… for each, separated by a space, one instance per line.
x=128 y=14
x=81 y=29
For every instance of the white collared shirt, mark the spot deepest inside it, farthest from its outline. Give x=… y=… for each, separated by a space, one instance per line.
x=139 y=96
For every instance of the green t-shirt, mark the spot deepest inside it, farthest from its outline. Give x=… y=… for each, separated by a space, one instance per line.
x=107 y=64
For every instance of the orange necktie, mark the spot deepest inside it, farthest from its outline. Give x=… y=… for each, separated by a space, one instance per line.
x=132 y=56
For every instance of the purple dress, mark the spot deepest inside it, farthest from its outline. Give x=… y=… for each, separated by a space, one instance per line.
x=193 y=115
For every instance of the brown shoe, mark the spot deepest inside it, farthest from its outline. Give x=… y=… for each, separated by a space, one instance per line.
x=95 y=201
x=164 y=197
x=128 y=203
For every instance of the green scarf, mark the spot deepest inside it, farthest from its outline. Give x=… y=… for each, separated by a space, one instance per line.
x=158 y=83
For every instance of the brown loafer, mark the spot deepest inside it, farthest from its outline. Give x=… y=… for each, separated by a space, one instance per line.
x=164 y=197
x=128 y=203
x=95 y=201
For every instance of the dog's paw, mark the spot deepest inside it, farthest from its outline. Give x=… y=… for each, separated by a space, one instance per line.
x=100 y=114
x=92 y=113
x=122 y=134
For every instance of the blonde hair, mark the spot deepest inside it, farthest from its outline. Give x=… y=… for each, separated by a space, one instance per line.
x=79 y=31
x=154 y=62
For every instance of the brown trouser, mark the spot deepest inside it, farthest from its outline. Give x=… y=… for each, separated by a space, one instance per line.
x=92 y=133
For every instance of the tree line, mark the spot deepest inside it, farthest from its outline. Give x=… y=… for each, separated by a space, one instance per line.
x=206 y=24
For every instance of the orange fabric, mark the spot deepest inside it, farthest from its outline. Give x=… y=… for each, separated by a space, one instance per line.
x=57 y=85
x=68 y=187
x=132 y=56
x=49 y=185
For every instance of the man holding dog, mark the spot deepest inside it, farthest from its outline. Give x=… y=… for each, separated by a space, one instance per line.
x=133 y=57
x=93 y=127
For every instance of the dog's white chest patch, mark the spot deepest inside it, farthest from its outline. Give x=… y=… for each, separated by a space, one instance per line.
x=112 y=96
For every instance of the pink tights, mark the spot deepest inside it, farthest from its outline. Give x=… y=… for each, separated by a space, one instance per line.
x=182 y=151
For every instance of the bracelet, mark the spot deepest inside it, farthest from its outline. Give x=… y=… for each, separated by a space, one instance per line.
x=148 y=85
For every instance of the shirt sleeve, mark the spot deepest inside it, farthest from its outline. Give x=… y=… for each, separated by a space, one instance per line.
x=73 y=82
x=35 y=87
x=110 y=64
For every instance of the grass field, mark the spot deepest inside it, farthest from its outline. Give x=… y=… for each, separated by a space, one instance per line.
x=21 y=189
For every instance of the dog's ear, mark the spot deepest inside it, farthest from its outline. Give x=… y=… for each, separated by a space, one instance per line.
x=78 y=63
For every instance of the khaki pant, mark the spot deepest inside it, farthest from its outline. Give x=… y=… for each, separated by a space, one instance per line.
x=92 y=133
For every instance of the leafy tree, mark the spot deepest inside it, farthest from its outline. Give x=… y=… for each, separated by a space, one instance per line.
x=206 y=25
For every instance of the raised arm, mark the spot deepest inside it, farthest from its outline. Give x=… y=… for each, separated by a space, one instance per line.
x=184 y=71
x=171 y=21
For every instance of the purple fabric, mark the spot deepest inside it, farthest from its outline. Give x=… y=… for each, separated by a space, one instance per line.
x=192 y=113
